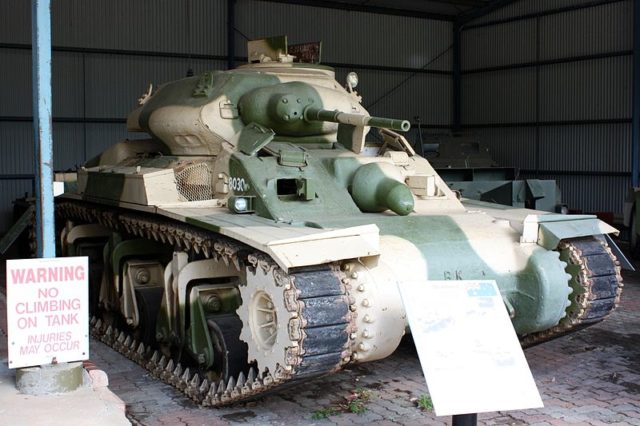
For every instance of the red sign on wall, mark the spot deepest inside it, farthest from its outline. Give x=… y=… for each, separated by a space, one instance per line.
x=47 y=310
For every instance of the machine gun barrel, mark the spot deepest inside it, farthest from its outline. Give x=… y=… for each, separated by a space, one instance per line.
x=316 y=114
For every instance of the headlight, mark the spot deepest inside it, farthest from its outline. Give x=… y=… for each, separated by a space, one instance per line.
x=241 y=204
x=352 y=80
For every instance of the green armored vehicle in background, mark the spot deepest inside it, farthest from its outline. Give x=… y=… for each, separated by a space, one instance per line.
x=468 y=168
x=252 y=241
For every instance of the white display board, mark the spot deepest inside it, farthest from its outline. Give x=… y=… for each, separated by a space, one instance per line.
x=469 y=352
x=47 y=311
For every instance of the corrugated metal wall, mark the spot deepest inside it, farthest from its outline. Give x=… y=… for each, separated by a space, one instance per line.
x=109 y=52
x=529 y=7
x=367 y=39
x=547 y=86
x=349 y=37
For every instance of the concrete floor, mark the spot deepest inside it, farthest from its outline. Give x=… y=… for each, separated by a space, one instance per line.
x=591 y=377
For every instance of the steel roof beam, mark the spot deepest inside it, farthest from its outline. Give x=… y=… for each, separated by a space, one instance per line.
x=491 y=6
x=543 y=13
x=469 y=3
x=369 y=9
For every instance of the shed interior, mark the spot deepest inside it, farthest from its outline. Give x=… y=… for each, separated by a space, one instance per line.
x=547 y=85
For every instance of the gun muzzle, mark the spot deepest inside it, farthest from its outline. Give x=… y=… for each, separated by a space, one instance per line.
x=316 y=114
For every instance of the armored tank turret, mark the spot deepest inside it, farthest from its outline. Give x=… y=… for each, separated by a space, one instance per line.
x=257 y=239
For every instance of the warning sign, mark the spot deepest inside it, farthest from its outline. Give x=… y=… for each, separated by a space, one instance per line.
x=47 y=310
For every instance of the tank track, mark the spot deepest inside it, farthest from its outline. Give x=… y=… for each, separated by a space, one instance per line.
x=597 y=287
x=323 y=337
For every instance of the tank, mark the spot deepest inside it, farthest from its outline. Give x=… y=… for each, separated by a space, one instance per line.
x=468 y=168
x=254 y=239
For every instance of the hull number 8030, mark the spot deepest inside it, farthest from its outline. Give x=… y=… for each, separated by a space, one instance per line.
x=238 y=184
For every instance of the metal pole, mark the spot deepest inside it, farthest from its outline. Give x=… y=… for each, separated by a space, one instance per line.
x=457 y=76
x=231 y=34
x=635 y=126
x=537 y=147
x=41 y=40
x=465 y=420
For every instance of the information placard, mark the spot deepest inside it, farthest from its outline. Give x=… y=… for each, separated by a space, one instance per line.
x=469 y=352
x=47 y=311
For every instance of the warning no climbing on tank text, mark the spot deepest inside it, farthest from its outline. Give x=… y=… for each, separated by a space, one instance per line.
x=47 y=310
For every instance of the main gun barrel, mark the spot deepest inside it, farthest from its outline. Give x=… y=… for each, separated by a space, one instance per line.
x=316 y=114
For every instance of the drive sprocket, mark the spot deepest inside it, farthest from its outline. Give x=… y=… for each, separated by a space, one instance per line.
x=315 y=327
x=266 y=318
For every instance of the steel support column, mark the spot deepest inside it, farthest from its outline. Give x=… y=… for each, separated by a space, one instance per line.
x=457 y=77
x=231 y=34
x=41 y=39
x=635 y=139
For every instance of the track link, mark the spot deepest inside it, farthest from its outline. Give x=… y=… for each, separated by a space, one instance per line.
x=596 y=283
x=318 y=298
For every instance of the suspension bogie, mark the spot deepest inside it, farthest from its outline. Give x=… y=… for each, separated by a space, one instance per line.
x=86 y=240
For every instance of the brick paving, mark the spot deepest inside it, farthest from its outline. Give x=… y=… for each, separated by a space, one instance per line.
x=587 y=378
x=591 y=377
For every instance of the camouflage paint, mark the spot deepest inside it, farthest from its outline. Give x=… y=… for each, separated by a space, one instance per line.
x=106 y=186
x=538 y=293
x=281 y=108
x=263 y=175
x=188 y=92
x=299 y=183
